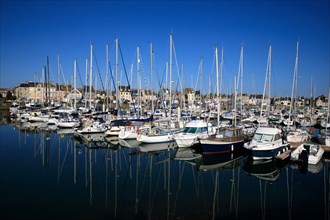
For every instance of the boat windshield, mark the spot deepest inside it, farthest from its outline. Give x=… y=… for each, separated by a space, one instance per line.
x=263 y=137
x=194 y=130
x=226 y=133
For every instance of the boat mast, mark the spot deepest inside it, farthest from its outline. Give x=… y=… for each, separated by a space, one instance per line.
x=217 y=82
x=267 y=79
x=240 y=77
x=150 y=87
x=116 y=83
x=295 y=75
x=90 y=76
x=221 y=66
x=235 y=95
x=47 y=84
x=74 y=83
x=58 y=78
x=43 y=84
x=171 y=46
x=269 y=75
x=85 y=90
x=107 y=76
x=35 y=88
x=138 y=77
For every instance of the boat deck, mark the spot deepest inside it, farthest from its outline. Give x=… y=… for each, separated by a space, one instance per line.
x=284 y=155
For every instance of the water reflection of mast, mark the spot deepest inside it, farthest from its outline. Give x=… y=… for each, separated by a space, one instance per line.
x=290 y=189
x=42 y=139
x=86 y=176
x=59 y=159
x=150 y=184
x=116 y=176
x=168 y=186
x=90 y=176
x=326 y=190
x=215 y=197
x=137 y=182
x=74 y=163
x=234 y=191
x=263 y=198
x=35 y=144
x=106 y=178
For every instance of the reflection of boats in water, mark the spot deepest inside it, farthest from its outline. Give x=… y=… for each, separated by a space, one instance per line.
x=156 y=147
x=88 y=138
x=65 y=131
x=129 y=143
x=112 y=139
x=264 y=169
x=311 y=168
x=227 y=160
x=186 y=154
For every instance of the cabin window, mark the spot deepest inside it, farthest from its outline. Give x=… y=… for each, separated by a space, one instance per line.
x=201 y=130
x=257 y=137
x=190 y=130
x=277 y=137
x=267 y=137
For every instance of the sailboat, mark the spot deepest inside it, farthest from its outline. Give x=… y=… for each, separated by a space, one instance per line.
x=225 y=139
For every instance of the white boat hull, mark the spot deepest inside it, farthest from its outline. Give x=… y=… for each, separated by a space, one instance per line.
x=153 y=139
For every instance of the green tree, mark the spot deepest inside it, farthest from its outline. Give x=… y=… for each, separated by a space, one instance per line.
x=9 y=96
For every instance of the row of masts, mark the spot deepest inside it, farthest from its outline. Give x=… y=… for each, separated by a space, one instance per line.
x=238 y=83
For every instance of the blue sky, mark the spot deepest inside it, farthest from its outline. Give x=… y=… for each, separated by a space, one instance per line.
x=33 y=30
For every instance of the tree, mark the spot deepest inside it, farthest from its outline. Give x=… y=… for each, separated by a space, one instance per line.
x=10 y=96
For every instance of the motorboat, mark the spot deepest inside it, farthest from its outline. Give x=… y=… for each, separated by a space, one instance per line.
x=113 y=131
x=128 y=133
x=297 y=136
x=192 y=131
x=308 y=152
x=154 y=135
x=267 y=142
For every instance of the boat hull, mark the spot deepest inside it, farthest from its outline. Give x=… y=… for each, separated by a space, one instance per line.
x=268 y=153
x=214 y=147
x=153 y=139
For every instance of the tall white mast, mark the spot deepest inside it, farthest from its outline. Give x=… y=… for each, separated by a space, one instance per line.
x=165 y=96
x=150 y=87
x=171 y=46
x=235 y=95
x=58 y=77
x=295 y=75
x=267 y=78
x=116 y=83
x=138 y=76
x=85 y=90
x=107 y=75
x=90 y=76
x=217 y=82
x=241 y=77
x=269 y=75
x=221 y=65
x=74 y=83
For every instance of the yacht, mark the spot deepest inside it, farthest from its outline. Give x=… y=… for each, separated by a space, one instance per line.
x=226 y=139
x=192 y=131
x=267 y=143
x=155 y=135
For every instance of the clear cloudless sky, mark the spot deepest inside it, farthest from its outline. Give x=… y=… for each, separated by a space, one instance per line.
x=33 y=30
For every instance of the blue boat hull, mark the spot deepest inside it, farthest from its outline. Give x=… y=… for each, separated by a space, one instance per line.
x=221 y=147
x=271 y=153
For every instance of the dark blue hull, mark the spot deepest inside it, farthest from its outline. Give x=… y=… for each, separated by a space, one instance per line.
x=269 y=153
x=221 y=147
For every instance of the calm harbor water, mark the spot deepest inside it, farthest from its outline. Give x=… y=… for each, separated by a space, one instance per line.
x=46 y=175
